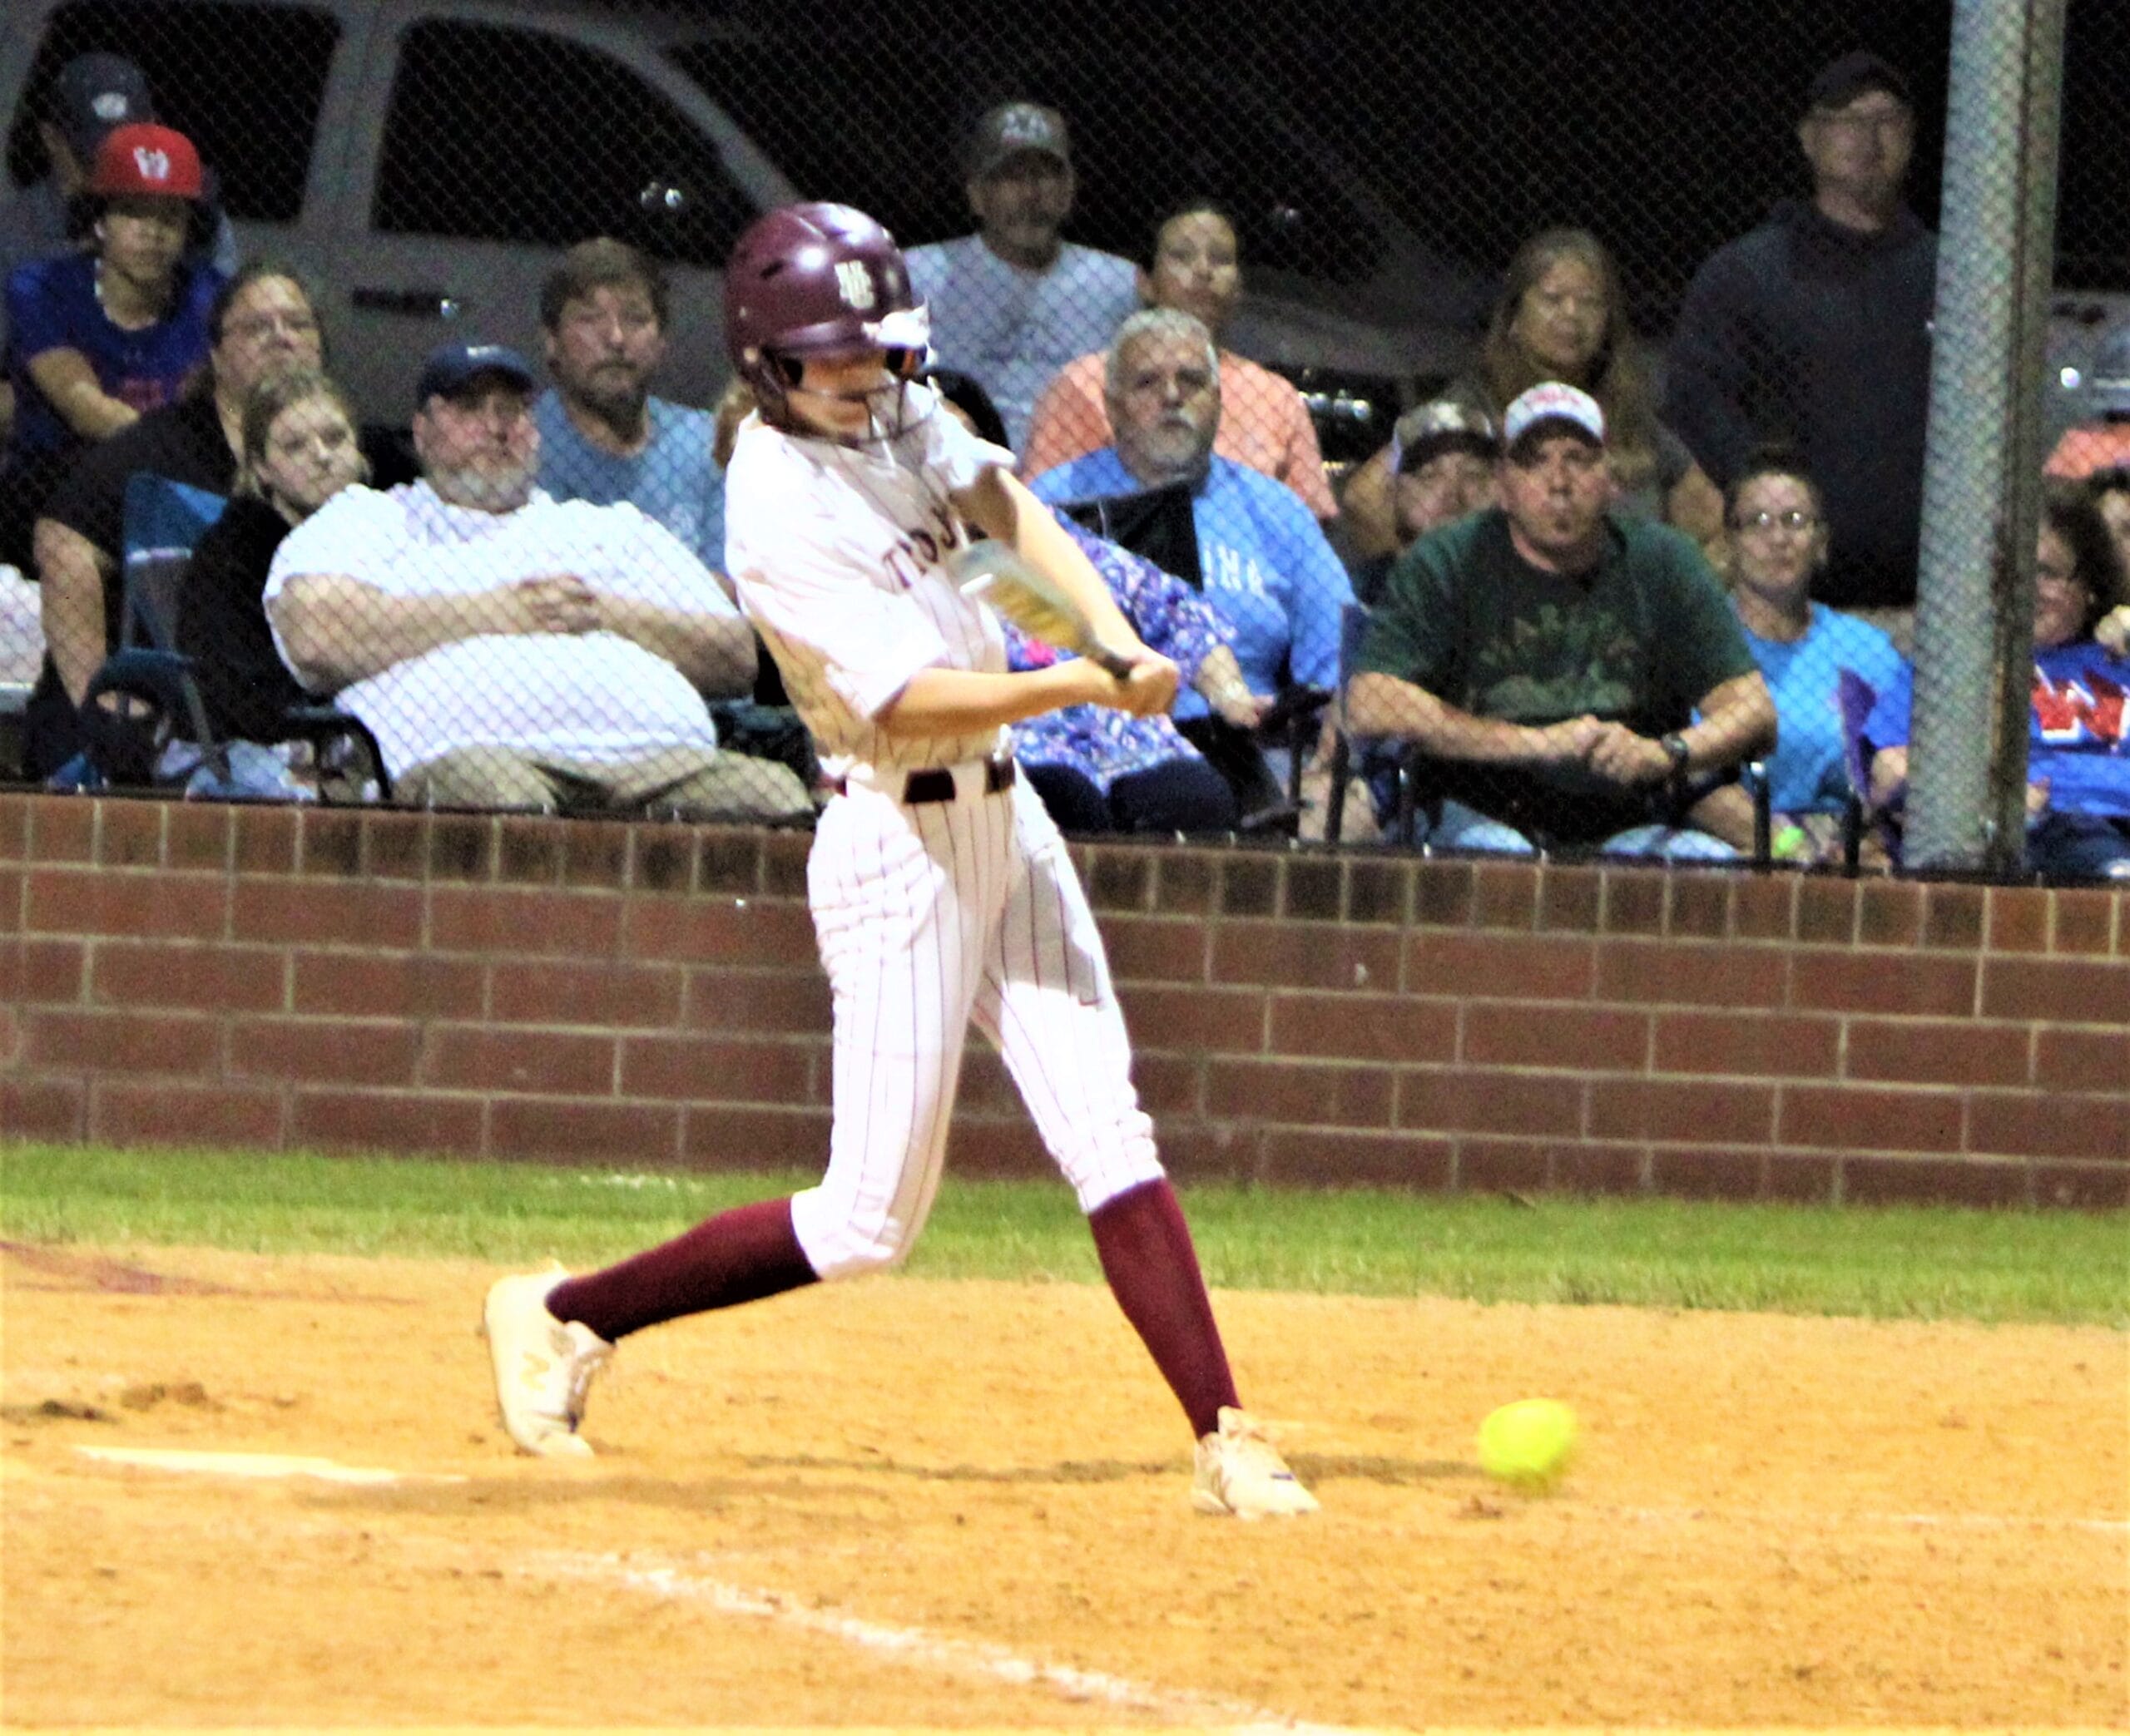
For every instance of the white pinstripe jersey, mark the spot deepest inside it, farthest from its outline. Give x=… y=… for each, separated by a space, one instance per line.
x=837 y=554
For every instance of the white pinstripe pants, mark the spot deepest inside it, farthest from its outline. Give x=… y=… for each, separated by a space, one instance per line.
x=928 y=917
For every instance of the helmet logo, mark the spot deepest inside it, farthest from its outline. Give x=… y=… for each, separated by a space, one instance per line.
x=153 y=164
x=855 y=283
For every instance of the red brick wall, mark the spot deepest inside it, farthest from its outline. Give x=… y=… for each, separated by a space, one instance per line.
x=649 y=994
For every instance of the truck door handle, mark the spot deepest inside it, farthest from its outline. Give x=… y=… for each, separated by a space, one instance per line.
x=422 y=303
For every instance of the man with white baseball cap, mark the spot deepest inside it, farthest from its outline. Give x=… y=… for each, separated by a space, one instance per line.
x=1578 y=677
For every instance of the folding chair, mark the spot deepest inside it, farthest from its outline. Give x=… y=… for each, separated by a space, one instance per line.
x=1855 y=697
x=156 y=701
x=1420 y=782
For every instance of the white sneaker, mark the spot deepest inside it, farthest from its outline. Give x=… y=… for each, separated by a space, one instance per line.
x=1240 y=1472
x=543 y=1366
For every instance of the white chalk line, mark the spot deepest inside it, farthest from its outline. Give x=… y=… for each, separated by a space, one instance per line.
x=979 y=1658
x=1920 y=1522
x=974 y=1658
x=260 y=1466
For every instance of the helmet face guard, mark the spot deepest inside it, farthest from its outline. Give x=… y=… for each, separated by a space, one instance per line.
x=823 y=280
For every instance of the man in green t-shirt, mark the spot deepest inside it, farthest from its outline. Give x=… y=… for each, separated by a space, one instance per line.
x=1574 y=676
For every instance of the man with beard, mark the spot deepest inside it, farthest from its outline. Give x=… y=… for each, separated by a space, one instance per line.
x=509 y=650
x=603 y=437
x=1265 y=564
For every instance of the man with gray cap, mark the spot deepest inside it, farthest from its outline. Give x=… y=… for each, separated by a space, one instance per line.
x=509 y=650
x=1576 y=676
x=1814 y=332
x=1442 y=459
x=1013 y=302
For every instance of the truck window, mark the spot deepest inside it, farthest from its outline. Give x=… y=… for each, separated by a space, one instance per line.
x=242 y=82
x=502 y=135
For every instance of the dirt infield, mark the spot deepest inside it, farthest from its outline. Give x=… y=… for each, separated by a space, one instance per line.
x=924 y=1503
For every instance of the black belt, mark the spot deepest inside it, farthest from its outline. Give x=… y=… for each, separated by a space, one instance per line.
x=936 y=783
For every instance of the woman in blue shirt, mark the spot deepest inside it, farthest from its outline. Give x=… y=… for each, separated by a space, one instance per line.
x=2077 y=773
x=1779 y=543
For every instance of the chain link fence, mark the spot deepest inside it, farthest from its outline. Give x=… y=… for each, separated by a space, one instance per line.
x=1392 y=225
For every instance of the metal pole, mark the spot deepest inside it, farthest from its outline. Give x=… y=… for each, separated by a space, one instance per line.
x=1975 y=602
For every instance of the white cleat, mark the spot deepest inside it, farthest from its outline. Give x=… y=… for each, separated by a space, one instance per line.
x=1239 y=1473
x=543 y=1366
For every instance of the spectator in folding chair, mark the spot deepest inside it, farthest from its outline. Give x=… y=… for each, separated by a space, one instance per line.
x=300 y=449
x=1779 y=544
x=1264 y=562
x=509 y=650
x=2078 y=772
x=1573 y=677
x=1098 y=770
x=1193 y=265
x=262 y=321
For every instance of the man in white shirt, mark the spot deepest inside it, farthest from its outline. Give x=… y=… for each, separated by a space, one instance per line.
x=512 y=650
x=1013 y=302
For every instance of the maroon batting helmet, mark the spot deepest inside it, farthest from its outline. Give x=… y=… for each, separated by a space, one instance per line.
x=816 y=280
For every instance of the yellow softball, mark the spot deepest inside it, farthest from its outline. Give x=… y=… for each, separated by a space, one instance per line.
x=1528 y=1445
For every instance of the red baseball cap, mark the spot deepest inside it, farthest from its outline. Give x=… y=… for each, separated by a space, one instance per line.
x=145 y=158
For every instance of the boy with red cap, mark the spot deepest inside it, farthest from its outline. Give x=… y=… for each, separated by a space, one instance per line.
x=97 y=337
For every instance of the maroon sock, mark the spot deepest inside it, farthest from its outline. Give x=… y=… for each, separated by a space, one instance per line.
x=738 y=1256
x=1152 y=1270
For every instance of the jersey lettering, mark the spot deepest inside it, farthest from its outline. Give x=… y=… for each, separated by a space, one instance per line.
x=2074 y=710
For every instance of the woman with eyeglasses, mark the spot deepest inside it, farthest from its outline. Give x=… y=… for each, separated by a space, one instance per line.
x=2077 y=774
x=1778 y=545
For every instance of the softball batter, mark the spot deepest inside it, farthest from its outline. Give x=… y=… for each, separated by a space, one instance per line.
x=941 y=891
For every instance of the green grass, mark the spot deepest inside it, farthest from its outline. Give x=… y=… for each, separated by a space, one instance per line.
x=1909 y=1263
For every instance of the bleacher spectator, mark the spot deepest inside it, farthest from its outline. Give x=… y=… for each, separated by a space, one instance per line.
x=300 y=447
x=1015 y=302
x=1446 y=456
x=91 y=95
x=2102 y=441
x=1265 y=565
x=1568 y=669
x=1813 y=331
x=604 y=436
x=1562 y=316
x=1098 y=770
x=1194 y=263
x=97 y=338
x=509 y=650
x=1779 y=541
x=2077 y=774
x=261 y=322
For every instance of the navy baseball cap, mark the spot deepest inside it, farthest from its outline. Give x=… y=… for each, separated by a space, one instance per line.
x=1840 y=82
x=450 y=367
x=94 y=94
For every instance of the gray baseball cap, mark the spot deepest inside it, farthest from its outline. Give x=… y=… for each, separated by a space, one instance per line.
x=1016 y=129
x=93 y=95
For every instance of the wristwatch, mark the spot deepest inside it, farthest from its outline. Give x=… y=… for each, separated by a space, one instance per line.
x=1676 y=750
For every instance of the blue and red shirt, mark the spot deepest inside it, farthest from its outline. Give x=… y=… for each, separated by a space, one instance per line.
x=2074 y=726
x=52 y=304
